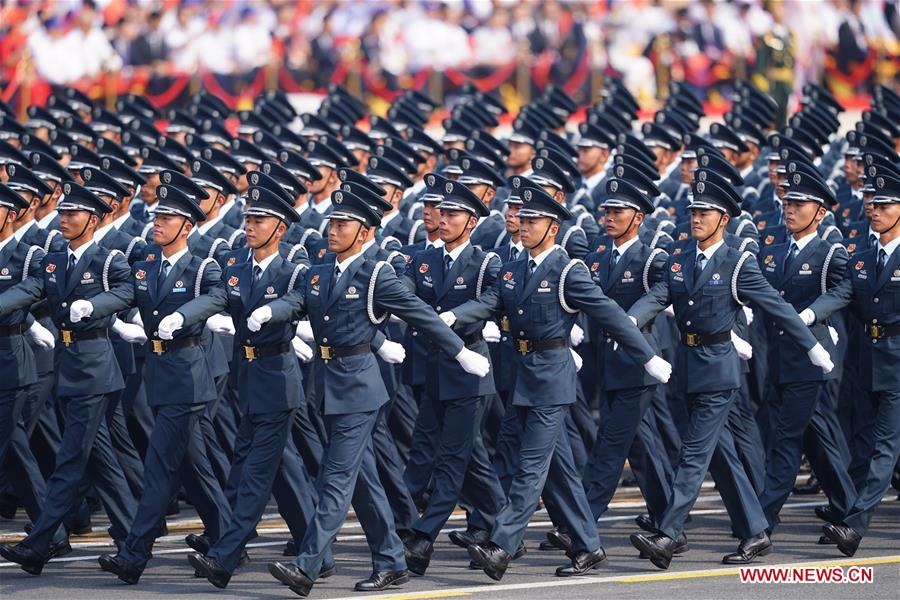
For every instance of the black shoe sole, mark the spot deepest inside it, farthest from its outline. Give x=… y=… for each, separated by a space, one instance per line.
x=399 y=581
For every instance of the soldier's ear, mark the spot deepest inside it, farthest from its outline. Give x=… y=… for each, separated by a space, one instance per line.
x=282 y=227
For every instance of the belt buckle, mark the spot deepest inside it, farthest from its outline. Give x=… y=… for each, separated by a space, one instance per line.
x=157 y=346
x=250 y=353
x=692 y=340
x=325 y=352
x=523 y=346
x=67 y=336
x=876 y=331
x=504 y=324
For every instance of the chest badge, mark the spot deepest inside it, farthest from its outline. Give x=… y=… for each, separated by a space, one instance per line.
x=768 y=259
x=233 y=281
x=50 y=268
x=460 y=280
x=859 y=265
x=270 y=290
x=595 y=266
x=5 y=271
x=351 y=289
x=231 y=261
x=314 y=280
x=151 y=256
x=179 y=284
x=423 y=268
x=140 y=274
x=87 y=275
x=676 y=268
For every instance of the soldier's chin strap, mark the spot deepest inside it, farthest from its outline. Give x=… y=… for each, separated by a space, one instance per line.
x=543 y=237
x=630 y=223
x=892 y=226
x=87 y=223
x=355 y=236
x=178 y=233
x=715 y=231
x=461 y=233
x=271 y=235
x=48 y=196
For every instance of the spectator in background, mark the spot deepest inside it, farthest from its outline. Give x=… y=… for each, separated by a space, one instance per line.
x=853 y=47
x=150 y=48
x=252 y=41
x=492 y=42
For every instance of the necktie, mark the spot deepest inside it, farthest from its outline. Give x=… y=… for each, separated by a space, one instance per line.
x=882 y=262
x=257 y=273
x=337 y=273
x=614 y=258
x=163 y=270
x=873 y=241
x=792 y=254
x=71 y=267
x=513 y=253
x=448 y=262
x=698 y=267
x=531 y=267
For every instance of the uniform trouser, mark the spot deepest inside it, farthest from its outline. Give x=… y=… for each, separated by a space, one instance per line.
x=794 y=409
x=261 y=439
x=126 y=453
x=390 y=471
x=220 y=430
x=542 y=429
x=85 y=453
x=747 y=439
x=175 y=456
x=618 y=434
x=862 y=443
x=307 y=438
x=402 y=420
x=461 y=460
x=826 y=448
x=350 y=460
x=706 y=433
x=425 y=438
x=506 y=459
x=884 y=431
x=660 y=414
x=137 y=410
x=24 y=475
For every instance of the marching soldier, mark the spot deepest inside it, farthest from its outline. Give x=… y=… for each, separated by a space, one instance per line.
x=341 y=301
x=871 y=288
x=707 y=286
x=541 y=296
x=87 y=373
x=178 y=382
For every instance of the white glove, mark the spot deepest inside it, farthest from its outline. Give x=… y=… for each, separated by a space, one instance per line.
x=820 y=357
x=576 y=336
x=169 y=325
x=79 y=310
x=490 y=332
x=41 y=336
x=808 y=317
x=448 y=318
x=743 y=347
x=834 y=335
x=472 y=362
x=133 y=334
x=304 y=331
x=137 y=319
x=258 y=318
x=659 y=369
x=748 y=314
x=392 y=352
x=301 y=349
x=221 y=324
x=579 y=362
x=669 y=310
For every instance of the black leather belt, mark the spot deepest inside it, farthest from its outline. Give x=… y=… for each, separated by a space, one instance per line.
x=67 y=336
x=255 y=352
x=528 y=346
x=876 y=332
x=692 y=340
x=330 y=352
x=11 y=330
x=163 y=346
x=472 y=339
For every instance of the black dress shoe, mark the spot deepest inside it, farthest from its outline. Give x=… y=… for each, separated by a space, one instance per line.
x=466 y=538
x=825 y=513
x=59 y=549
x=121 y=568
x=646 y=523
x=30 y=561
x=583 y=563
x=379 y=580
x=846 y=538
x=809 y=488
x=198 y=542
x=418 y=553
x=209 y=568
x=82 y=528
x=244 y=560
x=327 y=571
x=520 y=551
x=749 y=549
x=290 y=548
x=658 y=548
x=492 y=559
x=560 y=540
x=824 y=540
x=681 y=546
x=291 y=576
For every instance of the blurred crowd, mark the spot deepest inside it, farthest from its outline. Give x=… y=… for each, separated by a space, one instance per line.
x=642 y=40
